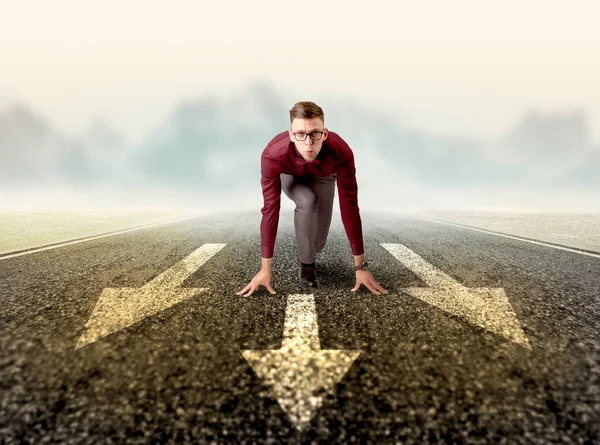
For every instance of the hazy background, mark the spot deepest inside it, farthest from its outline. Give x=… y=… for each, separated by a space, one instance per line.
x=447 y=105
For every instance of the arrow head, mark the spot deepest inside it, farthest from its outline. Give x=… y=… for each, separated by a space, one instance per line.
x=299 y=380
x=488 y=308
x=119 y=308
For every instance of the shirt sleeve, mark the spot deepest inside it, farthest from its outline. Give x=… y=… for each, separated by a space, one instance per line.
x=271 y=189
x=348 y=196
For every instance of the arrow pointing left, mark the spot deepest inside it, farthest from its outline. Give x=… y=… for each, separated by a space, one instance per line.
x=119 y=308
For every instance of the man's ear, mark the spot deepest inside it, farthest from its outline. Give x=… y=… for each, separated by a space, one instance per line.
x=325 y=133
x=291 y=135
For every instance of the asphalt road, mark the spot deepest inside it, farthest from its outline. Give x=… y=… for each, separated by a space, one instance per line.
x=425 y=375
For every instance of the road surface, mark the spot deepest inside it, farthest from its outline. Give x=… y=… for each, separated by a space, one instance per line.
x=140 y=337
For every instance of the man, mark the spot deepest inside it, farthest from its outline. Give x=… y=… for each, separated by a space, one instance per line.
x=305 y=162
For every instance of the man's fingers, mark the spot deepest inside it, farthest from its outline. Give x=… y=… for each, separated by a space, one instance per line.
x=377 y=286
x=372 y=288
x=380 y=288
x=244 y=289
x=252 y=289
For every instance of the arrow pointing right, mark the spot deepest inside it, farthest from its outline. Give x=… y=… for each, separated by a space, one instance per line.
x=486 y=307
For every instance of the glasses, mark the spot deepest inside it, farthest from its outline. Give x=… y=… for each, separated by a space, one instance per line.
x=314 y=135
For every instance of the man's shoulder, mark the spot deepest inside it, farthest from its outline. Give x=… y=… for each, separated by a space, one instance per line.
x=338 y=145
x=277 y=146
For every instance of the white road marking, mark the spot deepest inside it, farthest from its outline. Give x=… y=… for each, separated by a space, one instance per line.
x=488 y=308
x=540 y=243
x=118 y=308
x=300 y=374
x=90 y=238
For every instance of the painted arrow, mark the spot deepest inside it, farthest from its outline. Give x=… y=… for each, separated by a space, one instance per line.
x=300 y=374
x=486 y=307
x=119 y=308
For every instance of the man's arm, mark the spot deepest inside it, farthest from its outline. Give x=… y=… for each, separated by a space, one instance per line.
x=358 y=259
x=348 y=192
x=271 y=189
x=348 y=197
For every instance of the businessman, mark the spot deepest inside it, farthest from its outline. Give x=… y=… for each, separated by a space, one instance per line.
x=305 y=162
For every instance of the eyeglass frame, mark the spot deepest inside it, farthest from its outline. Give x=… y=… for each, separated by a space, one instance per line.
x=309 y=135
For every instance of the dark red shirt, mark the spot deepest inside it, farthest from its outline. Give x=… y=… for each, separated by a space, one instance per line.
x=281 y=156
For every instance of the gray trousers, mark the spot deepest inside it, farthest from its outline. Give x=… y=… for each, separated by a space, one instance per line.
x=313 y=196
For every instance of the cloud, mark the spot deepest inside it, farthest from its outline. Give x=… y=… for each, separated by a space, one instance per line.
x=208 y=148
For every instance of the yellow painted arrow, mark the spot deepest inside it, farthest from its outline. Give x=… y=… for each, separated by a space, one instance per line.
x=486 y=307
x=300 y=374
x=119 y=308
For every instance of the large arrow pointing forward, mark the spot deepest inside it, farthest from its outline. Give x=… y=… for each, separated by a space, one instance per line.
x=488 y=308
x=300 y=374
x=121 y=307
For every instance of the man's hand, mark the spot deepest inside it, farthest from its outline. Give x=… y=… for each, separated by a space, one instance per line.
x=365 y=277
x=262 y=277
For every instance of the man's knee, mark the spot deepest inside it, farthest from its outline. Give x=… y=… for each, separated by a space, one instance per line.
x=306 y=202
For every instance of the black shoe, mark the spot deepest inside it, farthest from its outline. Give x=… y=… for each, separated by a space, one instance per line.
x=308 y=275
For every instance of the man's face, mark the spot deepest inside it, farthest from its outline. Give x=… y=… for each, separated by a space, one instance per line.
x=308 y=148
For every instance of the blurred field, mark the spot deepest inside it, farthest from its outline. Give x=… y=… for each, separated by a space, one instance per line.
x=573 y=230
x=20 y=230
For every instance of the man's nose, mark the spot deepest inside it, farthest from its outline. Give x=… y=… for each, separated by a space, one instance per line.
x=308 y=140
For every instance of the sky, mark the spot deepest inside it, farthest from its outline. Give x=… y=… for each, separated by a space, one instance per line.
x=464 y=67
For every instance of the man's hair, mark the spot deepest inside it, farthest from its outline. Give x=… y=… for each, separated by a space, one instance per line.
x=306 y=110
